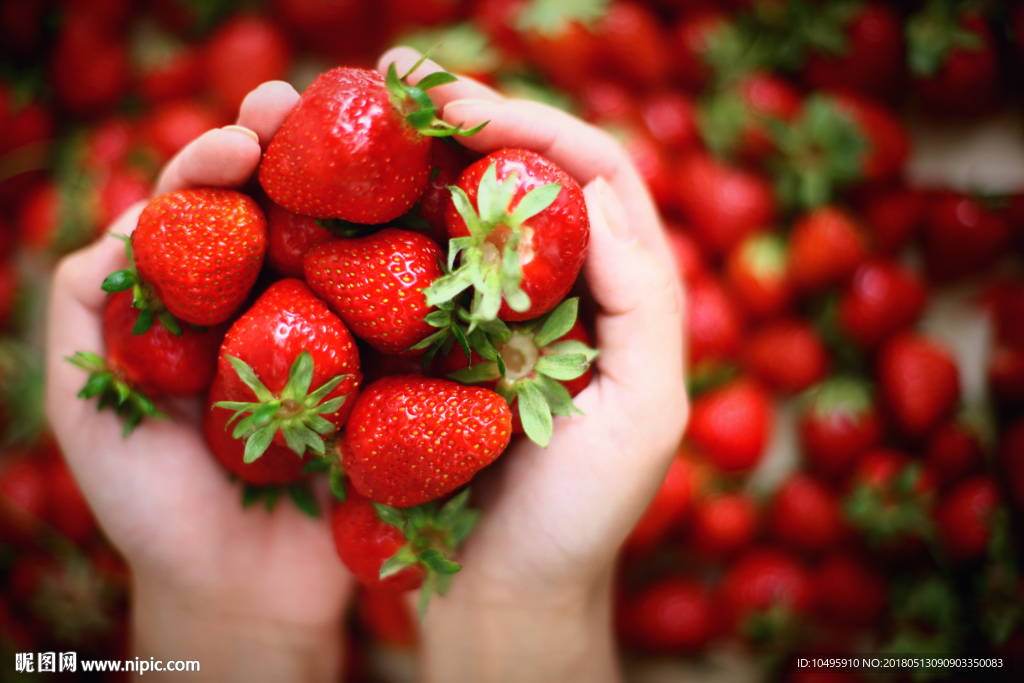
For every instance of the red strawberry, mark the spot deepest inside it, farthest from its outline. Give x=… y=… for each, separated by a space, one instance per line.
x=919 y=381
x=67 y=511
x=694 y=37
x=536 y=218
x=713 y=322
x=386 y=617
x=787 y=356
x=200 y=251
x=825 y=248
x=448 y=163
x=804 y=515
x=723 y=203
x=765 y=580
x=403 y=13
x=890 y=500
x=962 y=237
x=88 y=67
x=887 y=143
x=546 y=362
x=452 y=430
x=849 y=591
x=870 y=56
x=839 y=423
x=633 y=44
x=395 y=550
x=166 y=68
x=965 y=516
x=731 y=424
x=278 y=465
x=290 y=237
x=686 y=253
x=723 y=524
x=287 y=345
x=956 y=449
x=735 y=122
x=893 y=217
x=355 y=147
x=672 y=615
x=671 y=119
x=375 y=284
x=669 y=508
x=881 y=299
x=559 y=42
x=244 y=52
x=757 y=273
x=953 y=60
x=173 y=124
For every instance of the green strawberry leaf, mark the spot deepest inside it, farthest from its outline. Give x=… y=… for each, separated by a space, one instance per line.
x=126 y=400
x=304 y=499
x=534 y=413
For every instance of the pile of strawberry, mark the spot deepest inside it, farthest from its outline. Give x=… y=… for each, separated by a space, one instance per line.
x=451 y=273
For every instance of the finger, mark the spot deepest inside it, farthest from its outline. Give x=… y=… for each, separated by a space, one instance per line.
x=264 y=109
x=405 y=58
x=583 y=151
x=639 y=326
x=223 y=157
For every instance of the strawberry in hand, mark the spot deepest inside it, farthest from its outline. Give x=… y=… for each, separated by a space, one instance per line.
x=520 y=224
x=356 y=146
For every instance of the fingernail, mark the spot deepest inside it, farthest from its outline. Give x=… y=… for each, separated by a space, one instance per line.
x=613 y=210
x=468 y=103
x=244 y=131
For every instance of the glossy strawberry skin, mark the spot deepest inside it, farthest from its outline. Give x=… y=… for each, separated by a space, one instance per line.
x=672 y=615
x=961 y=237
x=919 y=381
x=287 y=320
x=730 y=424
x=554 y=243
x=825 y=248
x=411 y=439
x=762 y=579
x=158 y=361
x=201 y=251
x=279 y=465
x=833 y=436
x=447 y=163
x=805 y=516
x=290 y=237
x=375 y=284
x=244 y=52
x=787 y=355
x=364 y=542
x=757 y=273
x=723 y=524
x=346 y=152
x=881 y=299
x=713 y=322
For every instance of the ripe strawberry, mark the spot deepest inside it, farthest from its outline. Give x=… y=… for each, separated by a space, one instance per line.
x=386 y=618
x=805 y=516
x=723 y=524
x=670 y=616
x=24 y=492
x=376 y=286
x=244 y=52
x=890 y=500
x=736 y=121
x=27 y=126
x=723 y=203
x=353 y=130
x=294 y=365
x=868 y=56
x=277 y=466
x=965 y=516
x=694 y=37
x=395 y=550
x=652 y=162
x=764 y=591
x=757 y=273
x=956 y=449
x=88 y=67
x=881 y=300
x=962 y=237
x=525 y=245
x=686 y=253
x=448 y=163
x=66 y=508
x=893 y=217
x=290 y=237
x=404 y=13
x=669 y=508
x=198 y=253
x=165 y=67
x=730 y=424
x=559 y=41
x=787 y=356
x=143 y=365
x=839 y=422
x=173 y=124
x=849 y=590
x=452 y=430
x=671 y=119
x=919 y=381
x=953 y=60
x=888 y=145
x=825 y=248
x=633 y=45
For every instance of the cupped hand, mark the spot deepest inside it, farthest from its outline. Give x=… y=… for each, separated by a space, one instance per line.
x=554 y=518
x=235 y=580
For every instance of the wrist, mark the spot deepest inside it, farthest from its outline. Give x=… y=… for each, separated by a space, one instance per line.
x=478 y=634
x=231 y=643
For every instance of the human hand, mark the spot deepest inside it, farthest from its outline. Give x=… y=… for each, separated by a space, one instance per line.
x=532 y=600
x=252 y=595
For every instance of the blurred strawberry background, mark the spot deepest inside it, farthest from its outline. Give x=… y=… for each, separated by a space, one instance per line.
x=843 y=183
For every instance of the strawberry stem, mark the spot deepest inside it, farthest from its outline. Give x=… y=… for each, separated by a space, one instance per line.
x=127 y=400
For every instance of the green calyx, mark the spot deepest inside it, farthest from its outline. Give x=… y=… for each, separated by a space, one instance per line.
x=299 y=492
x=417 y=107
x=296 y=412
x=144 y=298
x=933 y=33
x=114 y=391
x=448 y=319
x=551 y=17
x=722 y=120
x=433 y=533
x=459 y=47
x=893 y=512
x=821 y=152
x=490 y=254
x=847 y=397
x=528 y=364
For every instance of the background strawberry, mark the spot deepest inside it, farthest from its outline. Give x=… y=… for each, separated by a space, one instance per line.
x=672 y=615
x=290 y=236
x=919 y=382
x=731 y=424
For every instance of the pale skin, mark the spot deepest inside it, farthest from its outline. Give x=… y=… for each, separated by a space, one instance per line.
x=257 y=596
